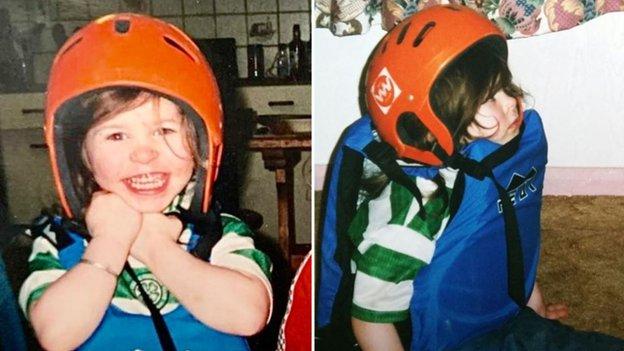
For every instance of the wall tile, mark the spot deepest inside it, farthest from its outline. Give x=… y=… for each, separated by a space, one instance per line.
x=98 y=8
x=73 y=9
x=294 y=5
x=200 y=27
x=52 y=10
x=232 y=27
x=138 y=6
x=232 y=23
x=287 y=20
x=18 y=11
x=265 y=40
x=47 y=42
x=241 y=61
x=176 y=21
x=230 y=6
x=262 y=5
x=42 y=10
x=42 y=63
x=166 y=7
x=72 y=26
x=21 y=30
x=192 y=7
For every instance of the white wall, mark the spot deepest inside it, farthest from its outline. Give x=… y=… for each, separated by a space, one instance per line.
x=575 y=77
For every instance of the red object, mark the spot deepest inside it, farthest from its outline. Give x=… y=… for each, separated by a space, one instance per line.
x=134 y=51
x=407 y=62
x=296 y=329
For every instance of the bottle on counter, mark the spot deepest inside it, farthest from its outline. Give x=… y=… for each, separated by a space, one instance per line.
x=307 y=72
x=255 y=61
x=296 y=50
x=282 y=61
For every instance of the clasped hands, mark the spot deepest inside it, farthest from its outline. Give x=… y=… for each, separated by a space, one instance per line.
x=109 y=217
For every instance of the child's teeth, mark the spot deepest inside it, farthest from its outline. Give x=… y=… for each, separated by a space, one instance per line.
x=147 y=181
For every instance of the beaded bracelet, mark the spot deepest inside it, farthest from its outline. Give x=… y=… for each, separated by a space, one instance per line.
x=106 y=269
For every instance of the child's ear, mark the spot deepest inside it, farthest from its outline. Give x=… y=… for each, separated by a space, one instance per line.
x=85 y=158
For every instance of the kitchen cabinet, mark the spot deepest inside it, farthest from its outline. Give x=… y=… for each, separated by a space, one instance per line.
x=28 y=185
x=283 y=149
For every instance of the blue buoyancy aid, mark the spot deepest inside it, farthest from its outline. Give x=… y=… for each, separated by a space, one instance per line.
x=463 y=292
x=445 y=289
x=341 y=192
x=353 y=141
x=120 y=330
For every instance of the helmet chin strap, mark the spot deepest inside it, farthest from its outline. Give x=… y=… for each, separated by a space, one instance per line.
x=484 y=169
x=385 y=157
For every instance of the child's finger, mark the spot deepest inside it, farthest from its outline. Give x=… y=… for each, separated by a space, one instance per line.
x=556 y=311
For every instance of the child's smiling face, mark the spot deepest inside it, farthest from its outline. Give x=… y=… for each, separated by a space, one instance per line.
x=498 y=119
x=142 y=154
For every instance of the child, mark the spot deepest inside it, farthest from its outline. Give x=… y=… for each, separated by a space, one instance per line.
x=435 y=243
x=142 y=260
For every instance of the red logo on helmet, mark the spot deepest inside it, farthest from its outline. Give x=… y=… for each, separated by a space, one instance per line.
x=385 y=90
x=382 y=90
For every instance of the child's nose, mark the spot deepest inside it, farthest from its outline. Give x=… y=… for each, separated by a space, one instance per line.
x=144 y=153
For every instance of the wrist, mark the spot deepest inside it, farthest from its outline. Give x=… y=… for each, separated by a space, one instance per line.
x=155 y=248
x=108 y=252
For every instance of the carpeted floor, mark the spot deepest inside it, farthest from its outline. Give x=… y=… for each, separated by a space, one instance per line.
x=582 y=259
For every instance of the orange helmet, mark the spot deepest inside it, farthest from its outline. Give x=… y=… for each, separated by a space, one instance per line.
x=407 y=62
x=130 y=50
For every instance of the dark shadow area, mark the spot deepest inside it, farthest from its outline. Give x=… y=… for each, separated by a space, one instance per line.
x=281 y=278
x=16 y=247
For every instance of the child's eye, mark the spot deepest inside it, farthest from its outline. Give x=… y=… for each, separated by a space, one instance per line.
x=166 y=131
x=115 y=136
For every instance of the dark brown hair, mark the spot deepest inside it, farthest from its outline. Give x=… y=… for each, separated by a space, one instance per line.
x=466 y=84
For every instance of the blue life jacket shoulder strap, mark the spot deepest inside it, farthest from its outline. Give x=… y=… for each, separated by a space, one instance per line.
x=481 y=170
x=164 y=335
x=209 y=226
x=385 y=157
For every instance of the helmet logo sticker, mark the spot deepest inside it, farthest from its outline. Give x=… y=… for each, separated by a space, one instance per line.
x=385 y=90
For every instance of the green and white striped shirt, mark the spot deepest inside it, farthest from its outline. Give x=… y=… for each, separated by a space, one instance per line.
x=392 y=244
x=235 y=250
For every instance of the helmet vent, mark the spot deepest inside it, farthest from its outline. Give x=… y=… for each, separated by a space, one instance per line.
x=122 y=26
x=423 y=32
x=402 y=33
x=177 y=46
x=411 y=130
x=452 y=8
x=71 y=46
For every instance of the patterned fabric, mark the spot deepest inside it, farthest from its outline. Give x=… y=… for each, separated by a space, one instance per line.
x=235 y=250
x=516 y=18
x=393 y=243
x=295 y=333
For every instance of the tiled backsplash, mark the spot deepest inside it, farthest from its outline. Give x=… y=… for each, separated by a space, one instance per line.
x=32 y=22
